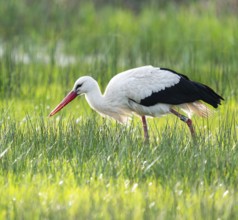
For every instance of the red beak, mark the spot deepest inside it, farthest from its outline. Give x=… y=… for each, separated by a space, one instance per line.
x=71 y=96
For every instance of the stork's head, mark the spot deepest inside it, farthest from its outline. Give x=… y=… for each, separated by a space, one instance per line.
x=83 y=85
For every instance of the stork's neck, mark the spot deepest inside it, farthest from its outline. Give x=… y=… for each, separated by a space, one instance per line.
x=95 y=99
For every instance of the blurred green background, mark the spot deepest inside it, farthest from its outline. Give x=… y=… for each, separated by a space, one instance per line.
x=54 y=42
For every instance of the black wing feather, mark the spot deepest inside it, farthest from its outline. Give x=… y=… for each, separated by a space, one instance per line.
x=184 y=91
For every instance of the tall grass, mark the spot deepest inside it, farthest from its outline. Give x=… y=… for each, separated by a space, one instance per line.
x=97 y=169
x=80 y=166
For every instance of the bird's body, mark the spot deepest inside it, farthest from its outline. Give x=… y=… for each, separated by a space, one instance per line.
x=145 y=91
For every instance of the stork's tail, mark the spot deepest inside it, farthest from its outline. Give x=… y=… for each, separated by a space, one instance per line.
x=208 y=95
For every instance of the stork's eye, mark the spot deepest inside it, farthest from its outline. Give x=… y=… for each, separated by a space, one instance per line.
x=78 y=86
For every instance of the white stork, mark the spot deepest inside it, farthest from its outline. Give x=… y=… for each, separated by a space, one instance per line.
x=145 y=91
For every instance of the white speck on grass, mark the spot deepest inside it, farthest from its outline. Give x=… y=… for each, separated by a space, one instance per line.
x=151 y=205
x=24 y=120
x=180 y=192
x=4 y=152
x=109 y=157
x=107 y=198
x=152 y=164
x=133 y=189
x=144 y=164
x=78 y=120
x=225 y=193
x=58 y=118
x=127 y=182
x=211 y=196
x=61 y=182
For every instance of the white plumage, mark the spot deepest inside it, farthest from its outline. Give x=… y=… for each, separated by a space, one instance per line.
x=145 y=91
x=137 y=84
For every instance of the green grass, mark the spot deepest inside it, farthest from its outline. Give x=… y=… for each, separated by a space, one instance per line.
x=77 y=165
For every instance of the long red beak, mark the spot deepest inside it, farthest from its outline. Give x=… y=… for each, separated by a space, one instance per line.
x=71 y=96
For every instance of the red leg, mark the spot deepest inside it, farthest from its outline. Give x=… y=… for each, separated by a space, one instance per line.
x=185 y=119
x=146 y=134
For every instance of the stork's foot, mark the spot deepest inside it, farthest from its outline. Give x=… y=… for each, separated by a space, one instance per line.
x=185 y=119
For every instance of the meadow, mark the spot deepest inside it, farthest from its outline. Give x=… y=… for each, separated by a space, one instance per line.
x=78 y=165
